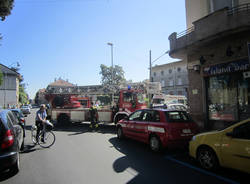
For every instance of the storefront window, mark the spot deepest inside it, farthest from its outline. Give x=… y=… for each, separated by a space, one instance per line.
x=222 y=98
x=244 y=98
x=229 y=97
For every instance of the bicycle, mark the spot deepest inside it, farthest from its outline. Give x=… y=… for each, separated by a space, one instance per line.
x=45 y=141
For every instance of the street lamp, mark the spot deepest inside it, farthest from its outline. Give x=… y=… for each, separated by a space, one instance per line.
x=151 y=62
x=111 y=46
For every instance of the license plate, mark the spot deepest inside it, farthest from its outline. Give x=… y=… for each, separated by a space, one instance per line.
x=186 y=131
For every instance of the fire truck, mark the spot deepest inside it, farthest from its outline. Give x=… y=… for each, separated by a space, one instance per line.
x=71 y=104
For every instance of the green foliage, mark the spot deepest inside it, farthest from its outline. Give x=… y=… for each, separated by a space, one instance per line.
x=23 y=97
x=106 y=72
x=5 y=8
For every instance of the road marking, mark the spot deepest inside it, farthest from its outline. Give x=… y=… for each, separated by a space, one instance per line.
x=201 y=170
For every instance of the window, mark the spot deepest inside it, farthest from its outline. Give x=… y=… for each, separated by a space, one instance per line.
x=242 y=131
x=179 y=80
x=179 y=93
x=151 y=116
x=135 y=116
x=155 y=74
x=162 y=72
x=217 y=5
x=13 y=118
x=178 y=69
x=171 y=82
x=177 y=116
x=170 y=71
x=222 y=101
x=128 y=97
x=162 y=83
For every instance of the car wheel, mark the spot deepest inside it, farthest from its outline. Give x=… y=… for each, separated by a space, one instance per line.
x=207 y=158
x=63 y=119
x=120 y=134
x=154 y=143
x=16 y=167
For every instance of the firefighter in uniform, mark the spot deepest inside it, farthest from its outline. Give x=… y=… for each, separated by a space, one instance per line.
x=93 y=116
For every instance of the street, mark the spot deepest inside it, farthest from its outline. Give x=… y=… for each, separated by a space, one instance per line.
x=82 y=156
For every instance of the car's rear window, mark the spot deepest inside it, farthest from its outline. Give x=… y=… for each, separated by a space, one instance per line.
x=177 y=116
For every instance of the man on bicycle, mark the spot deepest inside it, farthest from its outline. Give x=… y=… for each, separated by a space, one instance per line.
x=40 y=120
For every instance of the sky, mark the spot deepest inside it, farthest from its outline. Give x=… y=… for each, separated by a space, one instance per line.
x=68 y=38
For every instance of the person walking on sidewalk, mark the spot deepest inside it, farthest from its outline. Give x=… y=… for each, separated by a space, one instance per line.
x=93 y=116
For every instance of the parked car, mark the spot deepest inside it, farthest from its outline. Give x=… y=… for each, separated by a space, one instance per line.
x=177 y=107
x=11 y=141
x=20 y=116
x=159 y=128
x=227 y=148
x=25 y=109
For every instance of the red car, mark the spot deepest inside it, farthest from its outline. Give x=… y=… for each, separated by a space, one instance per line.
x=159 y=128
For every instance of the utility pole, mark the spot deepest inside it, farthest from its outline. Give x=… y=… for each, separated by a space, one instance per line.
x=150 y=76
x=112 y=77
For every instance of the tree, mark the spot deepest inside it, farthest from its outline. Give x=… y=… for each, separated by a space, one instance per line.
x=106 y=72
x=5 y=8
x=23 y=96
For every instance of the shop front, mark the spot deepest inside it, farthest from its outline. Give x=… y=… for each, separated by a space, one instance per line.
x=227 y=93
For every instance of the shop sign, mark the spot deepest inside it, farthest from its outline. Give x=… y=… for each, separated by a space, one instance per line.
x=235 y=66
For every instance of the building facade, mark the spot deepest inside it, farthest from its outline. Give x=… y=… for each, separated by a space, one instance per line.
x=9 y=89
x=172 y=76
x=216 y=46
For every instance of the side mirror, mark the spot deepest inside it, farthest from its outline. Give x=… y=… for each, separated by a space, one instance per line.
x=230 y=134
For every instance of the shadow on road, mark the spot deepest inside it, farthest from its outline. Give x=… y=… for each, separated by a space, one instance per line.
x=5 y=175
x=149 y=167
x=80 y=128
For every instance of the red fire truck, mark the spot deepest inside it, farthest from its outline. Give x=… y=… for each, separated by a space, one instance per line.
x=72 y=107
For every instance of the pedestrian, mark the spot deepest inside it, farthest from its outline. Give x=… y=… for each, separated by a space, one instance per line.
x=93 y=116
x=40 y=120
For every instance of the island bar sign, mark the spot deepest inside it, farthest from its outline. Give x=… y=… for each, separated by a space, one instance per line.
x=234 y=66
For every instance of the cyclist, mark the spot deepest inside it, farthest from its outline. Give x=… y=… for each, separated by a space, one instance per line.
x=40 y=120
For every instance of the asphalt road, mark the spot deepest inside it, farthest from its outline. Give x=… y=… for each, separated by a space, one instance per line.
x=82 y=156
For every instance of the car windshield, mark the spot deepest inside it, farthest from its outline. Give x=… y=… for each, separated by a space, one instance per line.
x=177 y=116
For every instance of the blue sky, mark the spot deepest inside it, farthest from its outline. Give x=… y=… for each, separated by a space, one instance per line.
x=68 y=38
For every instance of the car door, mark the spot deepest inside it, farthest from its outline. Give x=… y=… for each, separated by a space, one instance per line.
x=131 y=129
x=141 y=126
x=235 y=149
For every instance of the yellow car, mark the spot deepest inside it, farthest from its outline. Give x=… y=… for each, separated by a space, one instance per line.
x=227 y=148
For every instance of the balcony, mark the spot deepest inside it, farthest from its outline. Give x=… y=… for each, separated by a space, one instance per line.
x=219 y=24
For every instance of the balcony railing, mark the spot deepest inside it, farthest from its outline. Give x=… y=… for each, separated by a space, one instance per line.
x=231 y=11
x=186 y=32
x=212 y=25
x=237 y=9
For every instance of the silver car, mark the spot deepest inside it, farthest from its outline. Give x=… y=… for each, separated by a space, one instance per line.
x=25 y=109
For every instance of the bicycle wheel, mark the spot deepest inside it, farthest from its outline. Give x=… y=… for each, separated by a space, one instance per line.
x=48 y=140
x=33 y=136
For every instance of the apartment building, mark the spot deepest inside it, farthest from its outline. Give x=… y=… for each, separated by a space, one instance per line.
x=9 y=89
x=172 y=76
x=216 y=46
